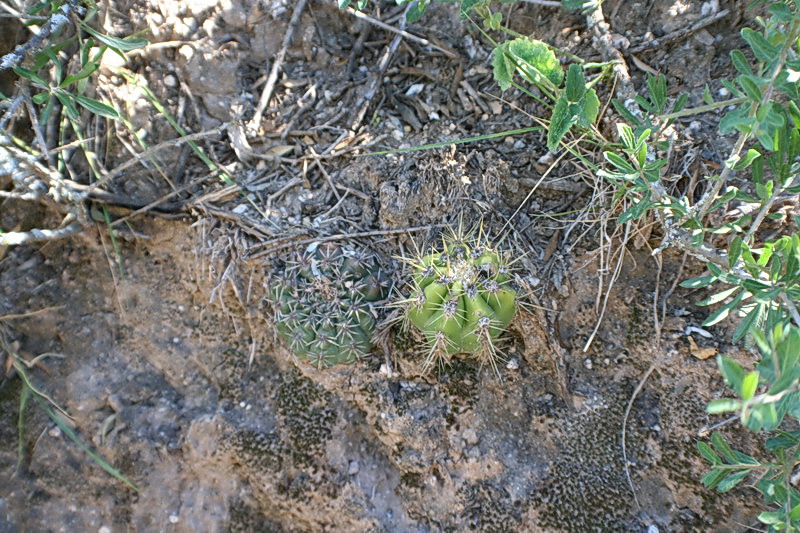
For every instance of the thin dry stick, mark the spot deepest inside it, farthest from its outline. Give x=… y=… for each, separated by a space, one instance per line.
x=337 y=237
x=277 y=65
x=156 y=203
x=154 y=149
x=374 y=83
x=56 y=21
x=548 y=3
x=613 y=279
x=679 y=34
x=656 y=318
x=411 y=37
x=636 y=392
x=31 y=313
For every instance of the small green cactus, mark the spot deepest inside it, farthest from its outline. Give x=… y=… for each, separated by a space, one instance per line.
x=461 y=299
x=322 y=302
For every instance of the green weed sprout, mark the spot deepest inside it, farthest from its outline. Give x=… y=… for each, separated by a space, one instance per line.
x=323 y=304
x=461 y=298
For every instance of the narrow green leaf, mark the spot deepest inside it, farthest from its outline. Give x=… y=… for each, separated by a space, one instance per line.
x=707 y=98
x=740 y=62
x=748 y=158
x=750 y=88
x=122 y=45
x=749 y=385
x=722 y=447
x=706 y=451
x=30 y=75
x=724 y=311
x=85 y=72
x=696 y=283
x=747 y=323
x=735 y=251
x=713 y=478
x=732 y=372
x=98 y=108
x=722 y=405
x=718 y=297
x=657 y=86
x=732 y=480
x=774 y=518
x=627 y=115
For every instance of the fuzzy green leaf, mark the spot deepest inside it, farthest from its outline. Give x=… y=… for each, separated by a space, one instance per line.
x=536 y=61
x=576 y=83
x=762 y=48
x=740 y=62
x=732 y=480
x=706 y=451
x=591 y=107
x=560 y=123
x=502 y=68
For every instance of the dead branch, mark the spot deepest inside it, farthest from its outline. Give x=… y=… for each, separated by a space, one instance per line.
x=53 y=24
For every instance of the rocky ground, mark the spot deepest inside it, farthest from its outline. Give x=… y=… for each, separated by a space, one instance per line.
x=165 y=356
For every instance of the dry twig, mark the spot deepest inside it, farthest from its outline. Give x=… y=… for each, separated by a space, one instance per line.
x=53 y=24
x=277 y=65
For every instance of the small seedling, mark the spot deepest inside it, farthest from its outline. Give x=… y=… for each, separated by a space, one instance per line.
x=323 y=303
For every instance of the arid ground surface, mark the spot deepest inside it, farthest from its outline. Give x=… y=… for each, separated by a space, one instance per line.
x=166 y=358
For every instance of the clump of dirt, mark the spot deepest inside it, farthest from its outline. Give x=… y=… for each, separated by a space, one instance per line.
x=170 y=367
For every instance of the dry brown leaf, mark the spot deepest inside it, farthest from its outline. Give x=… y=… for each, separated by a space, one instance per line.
x=280 y=150
x=701 y=353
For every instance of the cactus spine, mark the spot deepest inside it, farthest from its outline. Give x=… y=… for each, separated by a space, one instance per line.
x=322 y=302
x=461 y=298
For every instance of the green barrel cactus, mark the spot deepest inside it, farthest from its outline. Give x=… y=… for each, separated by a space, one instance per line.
x=461 y=299
x=322 y=302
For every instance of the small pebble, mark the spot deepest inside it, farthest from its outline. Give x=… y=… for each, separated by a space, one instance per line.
x=173 y=518
x=353 y=468
x=55 y=432
x=588 y=364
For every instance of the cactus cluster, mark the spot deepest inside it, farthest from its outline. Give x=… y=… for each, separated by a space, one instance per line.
x=322 y=304
x=461 y=298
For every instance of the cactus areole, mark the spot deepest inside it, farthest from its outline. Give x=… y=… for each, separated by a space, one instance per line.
x=462 y=299
x=322 y=304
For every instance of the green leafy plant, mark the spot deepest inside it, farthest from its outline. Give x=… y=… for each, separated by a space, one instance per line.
x=461 y=298
x=756 y=279
x=322 y=304
x=575 y=101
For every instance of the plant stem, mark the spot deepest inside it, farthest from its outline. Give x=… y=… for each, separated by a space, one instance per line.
x=703 y=108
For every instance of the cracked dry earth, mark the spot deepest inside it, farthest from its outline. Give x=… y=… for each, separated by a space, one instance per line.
x=166 y=358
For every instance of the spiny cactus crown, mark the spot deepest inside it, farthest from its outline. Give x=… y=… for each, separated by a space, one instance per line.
x=461 y=299
x=322 y=301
